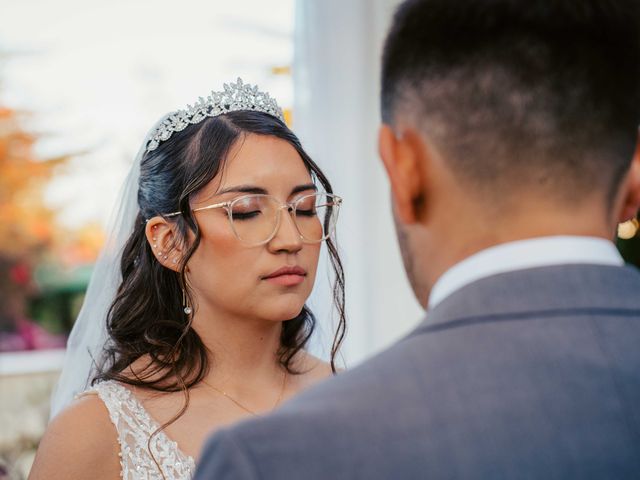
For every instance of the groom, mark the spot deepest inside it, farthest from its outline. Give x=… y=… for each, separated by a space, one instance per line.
x=509 y=137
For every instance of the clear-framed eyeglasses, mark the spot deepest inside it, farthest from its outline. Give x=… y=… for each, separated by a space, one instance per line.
x=255 y=218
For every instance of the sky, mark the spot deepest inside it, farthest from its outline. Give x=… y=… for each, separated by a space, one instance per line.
x=95 y=76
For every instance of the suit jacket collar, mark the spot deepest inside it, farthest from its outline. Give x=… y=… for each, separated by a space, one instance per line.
x=538 y=292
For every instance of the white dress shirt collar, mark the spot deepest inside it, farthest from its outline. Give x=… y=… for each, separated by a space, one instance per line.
x=523 y=254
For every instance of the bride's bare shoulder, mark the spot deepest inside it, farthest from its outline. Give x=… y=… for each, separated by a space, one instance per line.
x=77 y=439
x=312 y=369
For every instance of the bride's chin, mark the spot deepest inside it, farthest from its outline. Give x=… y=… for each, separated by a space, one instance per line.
x=282 y=313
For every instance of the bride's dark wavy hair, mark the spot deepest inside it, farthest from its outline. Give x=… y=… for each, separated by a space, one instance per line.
x=147 y=317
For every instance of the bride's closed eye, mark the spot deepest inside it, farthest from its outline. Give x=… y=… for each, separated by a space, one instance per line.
x=237 y=215
x=247 y=208
x=311 y=212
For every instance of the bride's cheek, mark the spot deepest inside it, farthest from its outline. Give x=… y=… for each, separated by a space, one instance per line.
x=218 y=262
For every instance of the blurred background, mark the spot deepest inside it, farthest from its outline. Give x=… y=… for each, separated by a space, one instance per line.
x=80 y=84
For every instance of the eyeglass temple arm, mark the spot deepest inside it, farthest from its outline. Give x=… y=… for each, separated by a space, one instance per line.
x=208 y=207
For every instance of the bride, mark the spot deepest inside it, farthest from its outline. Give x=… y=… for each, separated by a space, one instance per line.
x=203 y=285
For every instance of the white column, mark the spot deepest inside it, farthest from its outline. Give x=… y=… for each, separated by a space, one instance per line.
x=336 y=114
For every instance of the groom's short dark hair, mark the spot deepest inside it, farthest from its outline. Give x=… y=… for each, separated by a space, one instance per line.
x=540 y=94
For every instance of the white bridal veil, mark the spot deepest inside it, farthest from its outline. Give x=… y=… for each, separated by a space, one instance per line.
x=89 y=333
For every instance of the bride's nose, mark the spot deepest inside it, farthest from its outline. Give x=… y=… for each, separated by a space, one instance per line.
x=287 y=237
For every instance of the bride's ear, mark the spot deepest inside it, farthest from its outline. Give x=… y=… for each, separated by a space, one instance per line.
x=165 y=242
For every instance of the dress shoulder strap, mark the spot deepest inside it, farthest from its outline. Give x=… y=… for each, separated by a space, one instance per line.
x=142 y=454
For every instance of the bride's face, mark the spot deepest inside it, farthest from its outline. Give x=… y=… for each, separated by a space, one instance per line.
x=227 y=275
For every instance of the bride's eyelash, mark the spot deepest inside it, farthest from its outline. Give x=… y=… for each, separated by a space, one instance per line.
x=306 y=213
x=245 y=215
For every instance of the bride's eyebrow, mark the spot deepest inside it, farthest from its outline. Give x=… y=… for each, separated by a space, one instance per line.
x=302 y=188
x=260 y=190
x=243 y=189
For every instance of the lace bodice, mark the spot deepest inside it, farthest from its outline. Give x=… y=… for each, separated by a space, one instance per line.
x=135 y=426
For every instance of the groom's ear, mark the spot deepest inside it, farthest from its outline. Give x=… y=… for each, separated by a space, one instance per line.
x=631 y=199
x=403 y=156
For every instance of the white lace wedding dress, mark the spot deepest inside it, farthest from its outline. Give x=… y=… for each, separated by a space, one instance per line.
x=161 y=459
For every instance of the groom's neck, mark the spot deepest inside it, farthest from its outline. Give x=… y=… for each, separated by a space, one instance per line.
x=457 y=235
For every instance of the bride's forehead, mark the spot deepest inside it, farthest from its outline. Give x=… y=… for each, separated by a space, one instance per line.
x=264 y=162
x=263 y=158
x=256 y=151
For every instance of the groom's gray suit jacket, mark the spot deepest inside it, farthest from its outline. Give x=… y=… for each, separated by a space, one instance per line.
x=527 y=374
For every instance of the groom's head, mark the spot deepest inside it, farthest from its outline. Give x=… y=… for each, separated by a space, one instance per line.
x=508 y=119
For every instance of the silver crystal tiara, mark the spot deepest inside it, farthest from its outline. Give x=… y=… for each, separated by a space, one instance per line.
x=236 y=96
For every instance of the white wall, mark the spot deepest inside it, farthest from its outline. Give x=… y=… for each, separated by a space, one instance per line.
x=336 y=114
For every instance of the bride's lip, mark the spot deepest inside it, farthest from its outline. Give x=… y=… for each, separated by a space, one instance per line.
x=288 y=271
x=287 y=276
x=286 y=280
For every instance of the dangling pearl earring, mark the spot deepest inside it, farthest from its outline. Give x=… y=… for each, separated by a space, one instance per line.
x=185 y=302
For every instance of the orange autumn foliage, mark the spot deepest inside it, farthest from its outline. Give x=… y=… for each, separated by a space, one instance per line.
x=28 y=228
x=26 y=224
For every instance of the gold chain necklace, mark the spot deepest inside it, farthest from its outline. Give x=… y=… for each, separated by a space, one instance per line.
x=222 y=392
